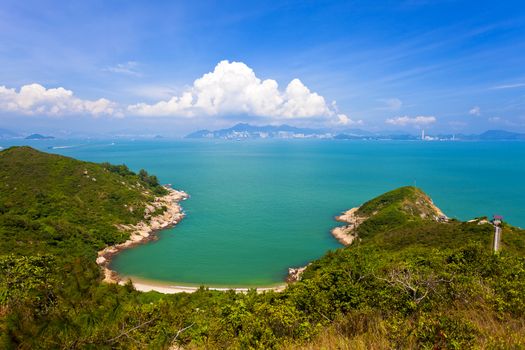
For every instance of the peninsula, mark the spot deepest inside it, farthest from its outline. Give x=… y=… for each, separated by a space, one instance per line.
x=406 y=199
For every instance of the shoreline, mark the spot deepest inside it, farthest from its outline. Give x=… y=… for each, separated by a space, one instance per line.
x=343 y=234
x=144 y=285
x=143 y=231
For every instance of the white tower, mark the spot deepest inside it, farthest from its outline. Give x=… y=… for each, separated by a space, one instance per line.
x=423 y=134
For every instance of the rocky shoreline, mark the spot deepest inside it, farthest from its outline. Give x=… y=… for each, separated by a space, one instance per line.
x=344 y=234
x=145 y=230
x=295 y=273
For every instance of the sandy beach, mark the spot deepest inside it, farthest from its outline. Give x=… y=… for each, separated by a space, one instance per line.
x=166 y=288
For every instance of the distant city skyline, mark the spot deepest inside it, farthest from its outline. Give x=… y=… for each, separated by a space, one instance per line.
x=171 y=68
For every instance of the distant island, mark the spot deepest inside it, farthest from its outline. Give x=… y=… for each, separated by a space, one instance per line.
x=244 y=131
x=501 y=135
x=39 y=137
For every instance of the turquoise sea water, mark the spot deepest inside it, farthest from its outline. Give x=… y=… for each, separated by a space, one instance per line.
x=259 y=207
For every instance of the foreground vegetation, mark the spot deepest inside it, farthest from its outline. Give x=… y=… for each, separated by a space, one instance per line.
x=408 y=282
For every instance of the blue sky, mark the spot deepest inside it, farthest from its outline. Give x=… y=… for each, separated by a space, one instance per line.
x=173 y=67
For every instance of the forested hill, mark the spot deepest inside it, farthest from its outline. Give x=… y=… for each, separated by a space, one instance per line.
x=51 y=202
x=416 y=279
x=408 y=281
x=406 y=218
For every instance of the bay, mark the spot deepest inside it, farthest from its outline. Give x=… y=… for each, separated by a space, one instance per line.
x=258 y=207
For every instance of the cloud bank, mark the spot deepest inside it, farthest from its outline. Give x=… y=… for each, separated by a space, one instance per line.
x=35 y=99
x=416 y=121
x=233 y=88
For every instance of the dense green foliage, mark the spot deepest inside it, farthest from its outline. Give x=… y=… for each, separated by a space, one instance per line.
x=409 y=282
x=56 y=204
x=151 y=180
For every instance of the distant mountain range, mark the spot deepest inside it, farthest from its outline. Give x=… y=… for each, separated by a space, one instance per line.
x=501 y=135
x=247 y=131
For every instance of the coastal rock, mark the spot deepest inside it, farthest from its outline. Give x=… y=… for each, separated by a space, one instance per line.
x=294 y=273
x=344 y=233
x=155 y=225
x=149 y=209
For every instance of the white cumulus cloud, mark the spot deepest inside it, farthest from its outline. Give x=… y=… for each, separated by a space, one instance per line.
x=475 y=111
x=416 y=121
x=35 y=99
x=343 y=119
x=233 y=88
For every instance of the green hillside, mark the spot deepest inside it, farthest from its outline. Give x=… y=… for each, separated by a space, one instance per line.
x=51 y=202
x=407 y=218
x=412 y=280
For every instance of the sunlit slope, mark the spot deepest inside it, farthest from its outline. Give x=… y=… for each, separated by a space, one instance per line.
x=407 y=217
x=51 y=201
x=416 y=279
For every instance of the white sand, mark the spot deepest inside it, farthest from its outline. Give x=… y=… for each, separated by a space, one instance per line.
x=169 y=289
